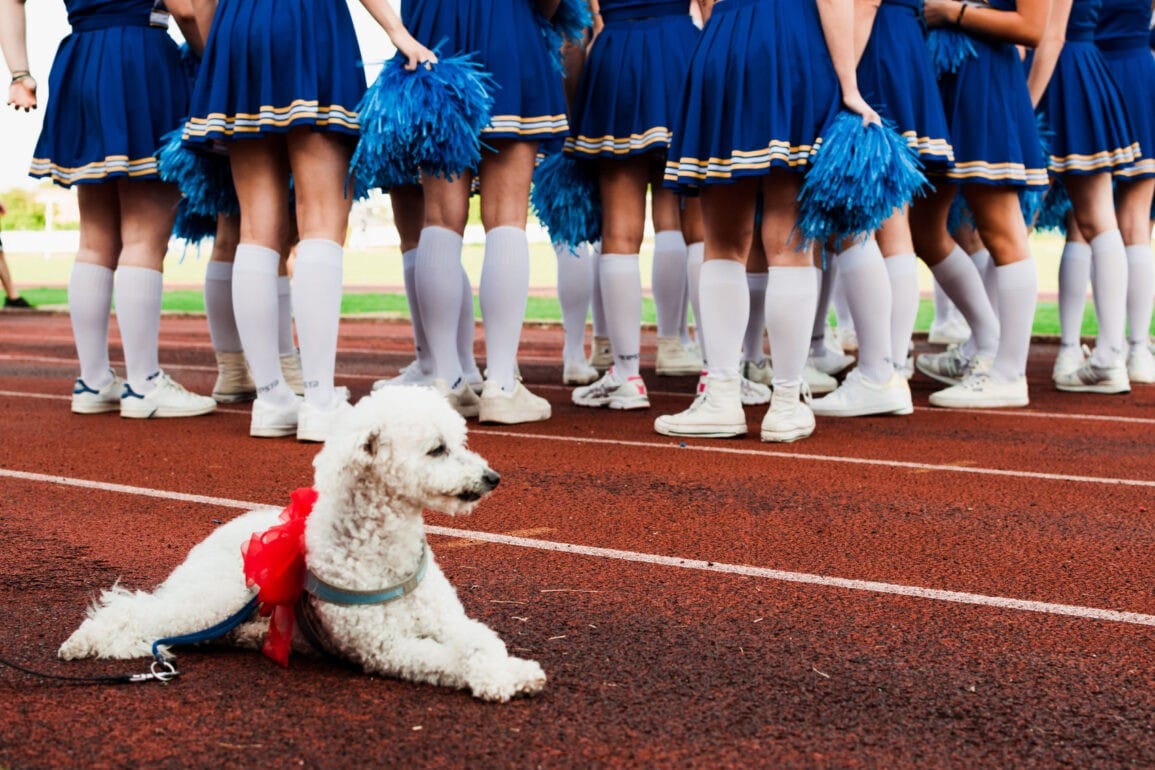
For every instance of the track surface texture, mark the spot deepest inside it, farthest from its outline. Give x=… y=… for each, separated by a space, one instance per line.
x=946 y=590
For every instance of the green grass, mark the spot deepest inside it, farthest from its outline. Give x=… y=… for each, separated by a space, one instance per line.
x=539 y=309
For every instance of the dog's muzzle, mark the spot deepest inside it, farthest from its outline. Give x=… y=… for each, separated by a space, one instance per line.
x=489 y=481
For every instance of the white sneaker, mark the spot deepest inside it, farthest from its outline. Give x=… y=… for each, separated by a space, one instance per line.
x=754 y=393
x=675 y=360
x=847 y=339
x=1140 y=364
x=274 y=420
x=461 y=398
x=613 y=392
x=758 y=372
x=715 y=413
x=979 y=391
x=291 y=371
x=1095 y=378
x=86 y=400
x=315 y=423
x=951 y=366
x=601 y=354
x=410 y=374
x=512 y=408
x=578 y=373
x=234 y=382
x=830 y=361
x=167 y=399
x=789 y=418
x=1070 y=358
x=858 y=397
x=818 y=382
x=906 y=368
x=952 y=330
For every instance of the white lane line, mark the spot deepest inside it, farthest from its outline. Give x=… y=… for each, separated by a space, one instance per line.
x=1073 y=416
x=825 y=581
x=923 y=467
x=482 y=431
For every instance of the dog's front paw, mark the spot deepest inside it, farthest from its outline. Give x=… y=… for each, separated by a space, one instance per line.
x=516 y=676
x=90 y=641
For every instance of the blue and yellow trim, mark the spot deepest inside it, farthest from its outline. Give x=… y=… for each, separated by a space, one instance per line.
x=1099 y=162
x=1015 y=174
x=656 y=138
x=517 y=126
x=693 y=171
x=301 y=111
x=97 y=171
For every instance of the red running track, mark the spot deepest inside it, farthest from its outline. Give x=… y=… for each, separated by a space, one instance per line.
x=950 y=589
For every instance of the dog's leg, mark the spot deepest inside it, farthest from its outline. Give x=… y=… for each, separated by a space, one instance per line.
x=492 y=673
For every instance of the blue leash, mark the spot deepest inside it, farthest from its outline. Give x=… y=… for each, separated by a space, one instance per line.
x=208 y=634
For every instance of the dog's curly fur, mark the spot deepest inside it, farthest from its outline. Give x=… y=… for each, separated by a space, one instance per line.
x=398 y=452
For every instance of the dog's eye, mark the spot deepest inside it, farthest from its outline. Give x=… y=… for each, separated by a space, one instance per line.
x=438 y=451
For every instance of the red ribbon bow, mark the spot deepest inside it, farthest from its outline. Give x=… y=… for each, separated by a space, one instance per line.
x=275 y=562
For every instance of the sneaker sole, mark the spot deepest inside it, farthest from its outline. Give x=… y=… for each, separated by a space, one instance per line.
x=629 y=405
x=1102 y=389
x=705 y=431
x=900 y=411
x=786 y=437
x=158 y=414
x=993 y=403
x=95 y=408
x=273 y=432
x=502 y=419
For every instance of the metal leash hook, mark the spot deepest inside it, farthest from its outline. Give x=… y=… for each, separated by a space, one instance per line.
x=161 y=670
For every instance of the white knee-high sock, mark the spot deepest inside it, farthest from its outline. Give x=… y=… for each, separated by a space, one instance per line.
x=986 y=266
x=668 y=280
x=317 y=299
x=842 y=315
x=621 y=281
x=597 y=307
x=724 y=296
x=256 y=307
x=138 y=294
x=684 y=313
x=1109 y=285
x=1074 y=275
x=439 y=297
x=902 y=270
x=753 y=347
x=862 y=271
x=962 y=283
x=827 y=278
x=1140 y=293
x=791 y=297
x=420 y=345
x=1018 y=295
x=466 y=330
x=575 y=286
x=695 y=258
x=219 y=307
x=285 y=342
x=503 y=292
x=89 y=306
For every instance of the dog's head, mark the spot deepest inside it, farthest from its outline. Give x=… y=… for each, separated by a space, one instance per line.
x=404 y=445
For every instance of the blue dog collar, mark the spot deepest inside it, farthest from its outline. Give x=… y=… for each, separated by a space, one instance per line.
x=332 y=594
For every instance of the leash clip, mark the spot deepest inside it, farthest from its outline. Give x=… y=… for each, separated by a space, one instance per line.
x=161 y=671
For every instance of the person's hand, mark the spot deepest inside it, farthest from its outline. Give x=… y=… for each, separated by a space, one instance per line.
x=416 y=55
x=941 y=13
x=856 y=104
x=22 y=93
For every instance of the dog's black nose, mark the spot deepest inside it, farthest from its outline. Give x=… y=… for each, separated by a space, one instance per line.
x=491 y=478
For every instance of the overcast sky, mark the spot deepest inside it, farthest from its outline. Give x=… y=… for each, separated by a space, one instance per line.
x=48 y=24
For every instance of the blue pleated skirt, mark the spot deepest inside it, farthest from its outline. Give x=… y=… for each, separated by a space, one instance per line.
x=506 y=37
x=631 y=88
x=273 y=65
x=115 y=90
x=1133 y=70
x=1091 y=132
x=760 y=88
x=992 y=122
x=896 y=78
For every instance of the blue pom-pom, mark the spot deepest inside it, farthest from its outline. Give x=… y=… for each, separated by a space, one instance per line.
x=566 y=201
x=205 y=180
x=427 y=120
x=192 y=227
x=1054 y=208
x=959 y=214
x=949 y=50
x=569 y=22
x=858 y=177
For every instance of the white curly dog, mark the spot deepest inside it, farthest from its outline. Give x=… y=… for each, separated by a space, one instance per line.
x=394 y=454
